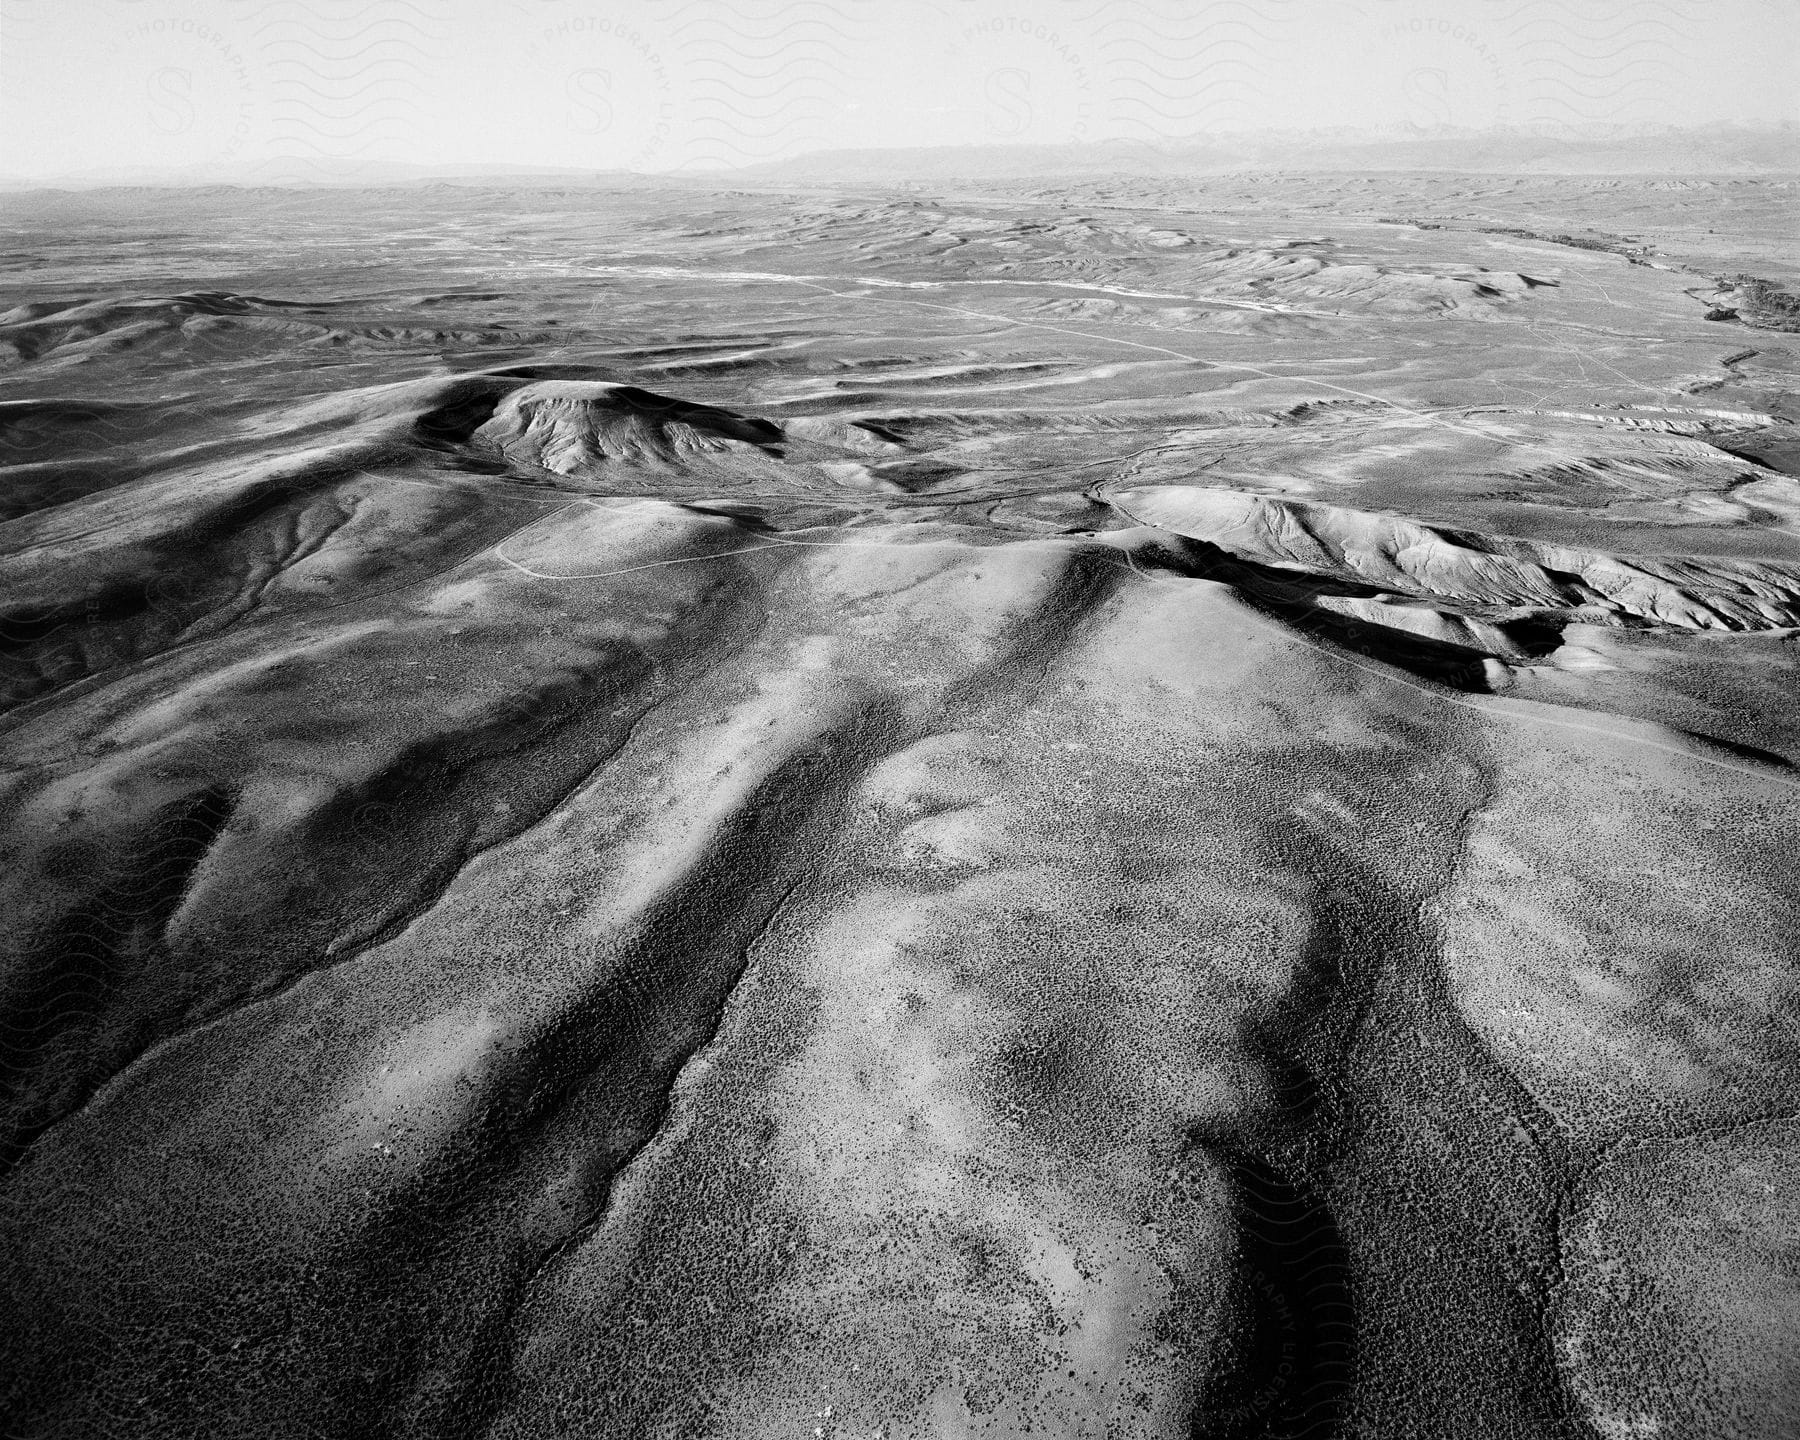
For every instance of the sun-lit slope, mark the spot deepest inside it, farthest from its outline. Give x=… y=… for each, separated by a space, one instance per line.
x=845 y=863
x=626 y=949
x=990 y=244
x=854 y=924
x=579 y=428
x=157 y=328
x=569 y=426
x=1621 y=939
x=1394 y=554
x=1679 y=1258
x=390 y=475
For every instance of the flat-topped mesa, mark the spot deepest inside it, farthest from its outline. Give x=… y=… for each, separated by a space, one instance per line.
x=573 y=426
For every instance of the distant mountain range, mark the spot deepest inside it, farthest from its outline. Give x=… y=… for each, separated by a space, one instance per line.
x=1603 y=150
x=1720 y=149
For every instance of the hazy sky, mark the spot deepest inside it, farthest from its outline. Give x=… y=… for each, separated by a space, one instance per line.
x=280 y=85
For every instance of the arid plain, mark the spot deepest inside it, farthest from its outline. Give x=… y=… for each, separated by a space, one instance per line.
x=1130 y=808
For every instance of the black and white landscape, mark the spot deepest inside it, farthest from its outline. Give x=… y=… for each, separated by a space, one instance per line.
x=918 y=794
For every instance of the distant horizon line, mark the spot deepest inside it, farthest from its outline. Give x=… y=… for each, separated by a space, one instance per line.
x=292 y=173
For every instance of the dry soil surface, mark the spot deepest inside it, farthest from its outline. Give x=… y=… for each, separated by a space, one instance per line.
x=1136 y=810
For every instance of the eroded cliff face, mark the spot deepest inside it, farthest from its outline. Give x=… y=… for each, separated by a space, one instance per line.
x=787 y=850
